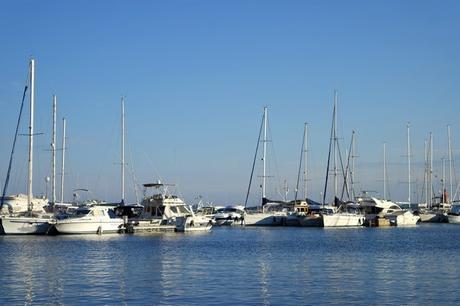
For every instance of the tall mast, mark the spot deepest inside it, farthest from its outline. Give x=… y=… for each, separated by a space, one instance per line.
x=408 y=162
x=31 y=134
x=63 y=159
x=335 y=144
x=384 y=170
x=53 y=154
x=443 y=180
x=450 y=163
x=302 y=156
x=122 y=150
x=426 y=173
x=305 y=163
x=353 y=148
x=431 y=169
x=264 y=156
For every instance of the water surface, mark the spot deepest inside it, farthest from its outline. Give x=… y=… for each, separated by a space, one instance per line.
x=251 y=266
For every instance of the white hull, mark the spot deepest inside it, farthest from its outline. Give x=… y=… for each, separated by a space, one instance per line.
x=193 y=224
x=403 y=218
x=25 y=225
x=264 y=219
x=343 y=220
x=433 y=217
x=69 y=226
x=454 y=219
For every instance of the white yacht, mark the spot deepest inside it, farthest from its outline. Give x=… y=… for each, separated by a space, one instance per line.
x=270 y=214
x=347 y=215
x=15 y=204
x=166 y=212
x=305 y=215
x=94 y=219
x=229 y=215
x=454 y=214
x=379 y=208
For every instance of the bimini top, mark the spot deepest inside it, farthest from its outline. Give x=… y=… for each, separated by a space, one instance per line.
x=156 y=185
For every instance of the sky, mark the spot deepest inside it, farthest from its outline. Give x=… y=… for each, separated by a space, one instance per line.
x=196 y=76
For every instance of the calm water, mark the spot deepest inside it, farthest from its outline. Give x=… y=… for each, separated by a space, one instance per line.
x=251 y=266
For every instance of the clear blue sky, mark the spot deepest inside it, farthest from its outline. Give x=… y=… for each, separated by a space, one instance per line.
x=196 y=75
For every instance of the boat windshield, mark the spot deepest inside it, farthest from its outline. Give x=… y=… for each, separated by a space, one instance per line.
x=455 y=209
x=81 y=212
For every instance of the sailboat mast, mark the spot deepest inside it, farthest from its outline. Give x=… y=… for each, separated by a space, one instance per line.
x=264 y=156
x=335 y=144
x=431 y=169
x=443 y=180
x=450 y=163
x=63 y=159
x=384 y=170
x=352 y=176
x=305 y=162
x=53 y=153
x=122 y=149
x=426 y=173
x=31 y=134
x=408 y=162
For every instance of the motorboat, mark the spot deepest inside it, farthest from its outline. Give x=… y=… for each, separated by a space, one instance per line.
x=270 y=214
x=346 y=215
x=229 y=215
x=164 y=211
x=375 y=208
x=94 y=219
x=15 y=204
x=26 y=223
x=454 y=214
x=305 y=215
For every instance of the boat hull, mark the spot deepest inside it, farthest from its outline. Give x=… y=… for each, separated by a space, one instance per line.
x=343 y=220
x=88 y=227
x=193 y=224
x=433 y=217
x=25 y=225
x=454 y=219
x=264 y=219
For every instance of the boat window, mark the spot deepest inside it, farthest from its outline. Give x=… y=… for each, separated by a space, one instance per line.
x=183 y=209
x=173 y=209
x=112 y=213
x=81 y=212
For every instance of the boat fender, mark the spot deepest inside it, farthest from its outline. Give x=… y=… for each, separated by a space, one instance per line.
x=99 y=230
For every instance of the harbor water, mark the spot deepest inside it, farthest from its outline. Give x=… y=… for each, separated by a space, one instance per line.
x=235 y=266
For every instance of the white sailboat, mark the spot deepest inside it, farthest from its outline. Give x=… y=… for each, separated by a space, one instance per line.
x=269 y=214
x=345 y=215
x=30 y=221
x=98 y=219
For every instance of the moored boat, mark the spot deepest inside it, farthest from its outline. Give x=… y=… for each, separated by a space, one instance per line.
x=94 y=219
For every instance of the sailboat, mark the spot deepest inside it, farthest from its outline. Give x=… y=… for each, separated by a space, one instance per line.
x=30 y=221
x=269 y=214
x=303 y=214
x=98 y=218
x=345 y=215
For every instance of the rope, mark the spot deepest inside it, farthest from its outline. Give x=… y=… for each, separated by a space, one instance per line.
x=12 y=149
